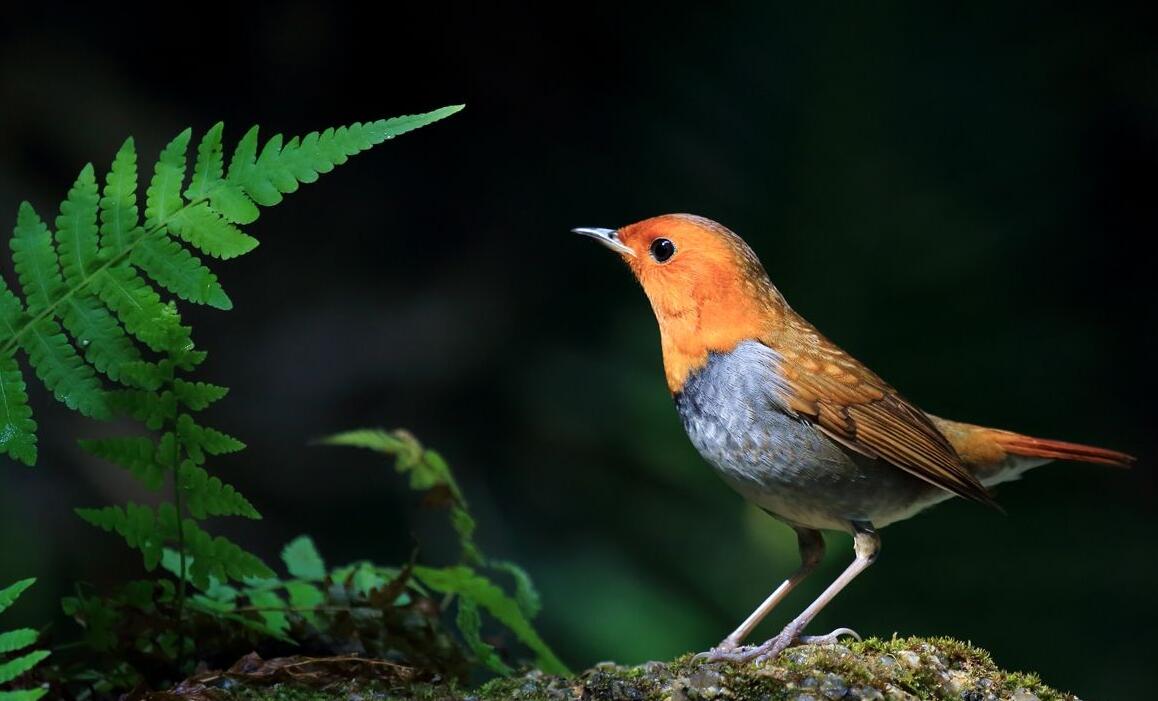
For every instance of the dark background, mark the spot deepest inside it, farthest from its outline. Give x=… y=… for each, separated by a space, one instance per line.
x=963 y=198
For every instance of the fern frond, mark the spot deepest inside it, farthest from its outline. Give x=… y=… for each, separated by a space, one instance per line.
x=204 y=228
x=525 y=593
x=469 y=623
x=271 y=607
x=23 y=694
x=163 y=197
x=141 y=309
x=19 y=665
x=141 y=374
x=468 y=584
x=207 y=496
x=87 y=277
x=104 y=343
x=220 y=558
x=148 y=531
x=280 y=168
x=198 y=439
x=208 y=169
x=35 y=260
x=150 y=408
x=138 y=525
x=51 y=354
x=198 y=395
x=302 y=559
x=304 y=597
x=12 y=592
x=17 y=428
x=72 y=381
x=173 y=267
x=77 y=235
x=13 y=640
x=118 y=204
x=136 y=454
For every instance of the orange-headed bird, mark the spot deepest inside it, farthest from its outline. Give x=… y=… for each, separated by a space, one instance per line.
x=793 y=423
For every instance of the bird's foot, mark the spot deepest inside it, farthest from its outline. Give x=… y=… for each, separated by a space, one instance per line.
x=728 y=651
x=830 y=639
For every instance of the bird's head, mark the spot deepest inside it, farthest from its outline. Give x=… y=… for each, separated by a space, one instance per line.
x=707 y=288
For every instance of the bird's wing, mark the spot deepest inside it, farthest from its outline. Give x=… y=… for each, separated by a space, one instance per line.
x=849 y=403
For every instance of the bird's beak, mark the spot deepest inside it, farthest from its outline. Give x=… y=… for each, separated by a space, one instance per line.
x=607 y=237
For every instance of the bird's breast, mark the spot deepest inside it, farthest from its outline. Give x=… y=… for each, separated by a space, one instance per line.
x=735 y=413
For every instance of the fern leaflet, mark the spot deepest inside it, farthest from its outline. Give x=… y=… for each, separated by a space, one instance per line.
x=102 y=276
x=14 y=640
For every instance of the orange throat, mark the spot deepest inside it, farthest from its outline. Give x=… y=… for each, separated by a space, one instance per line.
x=713 y=322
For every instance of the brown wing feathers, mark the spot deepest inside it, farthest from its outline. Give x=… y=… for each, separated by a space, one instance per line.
x=858 y=409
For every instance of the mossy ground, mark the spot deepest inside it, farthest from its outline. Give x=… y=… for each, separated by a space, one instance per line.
x=903 y=669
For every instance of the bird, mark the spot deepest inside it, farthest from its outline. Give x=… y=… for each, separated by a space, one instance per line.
x=795 y=424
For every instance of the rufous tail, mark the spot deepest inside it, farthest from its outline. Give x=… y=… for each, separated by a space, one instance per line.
x=1028 y=446
x=980 y=447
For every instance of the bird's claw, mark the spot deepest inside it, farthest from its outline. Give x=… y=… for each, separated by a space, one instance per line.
x=725 y=652
x=770 y=649
x=830 y=639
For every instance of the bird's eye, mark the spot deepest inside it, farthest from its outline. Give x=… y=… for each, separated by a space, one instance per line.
x=662 y=249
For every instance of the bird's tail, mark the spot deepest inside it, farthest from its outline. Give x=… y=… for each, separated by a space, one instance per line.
x=995 y=456
x=1028 y=446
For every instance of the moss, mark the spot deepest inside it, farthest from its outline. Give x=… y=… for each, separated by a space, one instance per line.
x=901 y=669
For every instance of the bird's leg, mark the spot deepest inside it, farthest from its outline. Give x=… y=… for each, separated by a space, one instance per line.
x=811 y=545
x=866 y=544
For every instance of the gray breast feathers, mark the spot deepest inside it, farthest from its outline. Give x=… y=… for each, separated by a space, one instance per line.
x=734 y=412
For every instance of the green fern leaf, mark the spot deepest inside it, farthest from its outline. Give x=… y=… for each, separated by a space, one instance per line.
x=466 y=583
x=410 y=457
x=168 y=450
x=525 y=593
x=118 y=205
x=198 y=395
x=19 y=665
x=23 y=694
x=179 y=271
x=197 y=438
x=18 y=639
x=163 y=196
x=141 y=310
x=102 y=340
x=302 y=560
x=12 y=592
x=37 y=266
x=208 y=169
x=244 y=162
x=272 y=609
x=49 y=351
x=17 y=428
x=210 y=233
x=304 y=598
x=138 y=525
x=151 y=408
x=134 y=453
x=231 y=202
x=77 y=235
x=71 y=380
x=207 y=496
x=280 y=168
x=469 y=623
x=220 y=558
x=141 y=374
